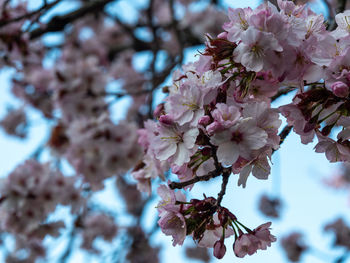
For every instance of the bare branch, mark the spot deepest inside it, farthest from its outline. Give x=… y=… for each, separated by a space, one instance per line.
x=207 y=177
x=284 y=133
x=42 y=9
x=225 y=177
x=58 y=23
x=282 y=92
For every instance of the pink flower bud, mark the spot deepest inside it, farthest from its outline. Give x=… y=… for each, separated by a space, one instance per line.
x=340 y=89
x=219 y=249
x=223 y=35
x=347 y=76
x=166 y=120
x=159 y=110
x=214 y=127
x=204 y=120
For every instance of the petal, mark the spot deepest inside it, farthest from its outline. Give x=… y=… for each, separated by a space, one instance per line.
x=227 y=153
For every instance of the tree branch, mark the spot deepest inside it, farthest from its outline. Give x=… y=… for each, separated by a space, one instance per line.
x=45 y=7
x=207 y=177
x=225 y=177
x=58 y=23
x=284 y=133
x=282 y=92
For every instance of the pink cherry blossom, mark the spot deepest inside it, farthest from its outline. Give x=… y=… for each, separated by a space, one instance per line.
x=253 y=51
x=259 y=238
x=175 y=142
x=240 y=140
x=343 y=22
x=340 y=89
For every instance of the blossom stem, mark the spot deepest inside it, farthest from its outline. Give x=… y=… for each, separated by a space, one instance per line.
x=234 y=229
x=246 y=228
x=329 y=115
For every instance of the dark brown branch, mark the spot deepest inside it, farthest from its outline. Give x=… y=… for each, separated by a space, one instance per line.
x=207 y=177
x=282 y=92
x=45 y=7
x=175 y=26
x=284 y=133
x=341 y=5
x=343 y=258
x=58 y=23
x=225 y=177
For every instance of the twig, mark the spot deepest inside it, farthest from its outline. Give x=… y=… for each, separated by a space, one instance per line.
x=179 y=36
x=343 y=258
x=282 y=92
x=155 y=49
x=207 y=177
x=284 y=133
x=69 y=248
x=57 y=23
x=45 y=7
x=225 y=177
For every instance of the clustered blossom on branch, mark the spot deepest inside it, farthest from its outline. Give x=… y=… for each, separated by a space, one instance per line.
x=209 y=224
x=30 y=193
x=217 y=116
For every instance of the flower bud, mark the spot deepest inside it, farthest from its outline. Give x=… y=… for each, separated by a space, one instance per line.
x=219 y=249
x=223 y=35
x=214 y=127
x=340 y=89
x=204 y=120
x=166 y=120
x=159 y=110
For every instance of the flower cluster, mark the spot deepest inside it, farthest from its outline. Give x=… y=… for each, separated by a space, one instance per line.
x=217 y=117
x=341 y=231
x=15 y=123
x=269 y=206
x=97 y=225
x=99 y=149
x=30 y=193
x=209 y=224
x=294 y=246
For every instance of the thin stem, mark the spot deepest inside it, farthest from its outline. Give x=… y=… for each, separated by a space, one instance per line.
x=225 y=177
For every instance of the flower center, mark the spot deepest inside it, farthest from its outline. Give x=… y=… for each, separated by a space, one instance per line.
x=191 y=105
x=236 y=137
x=243 y=23
x=347 y=23
x=257 y=50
